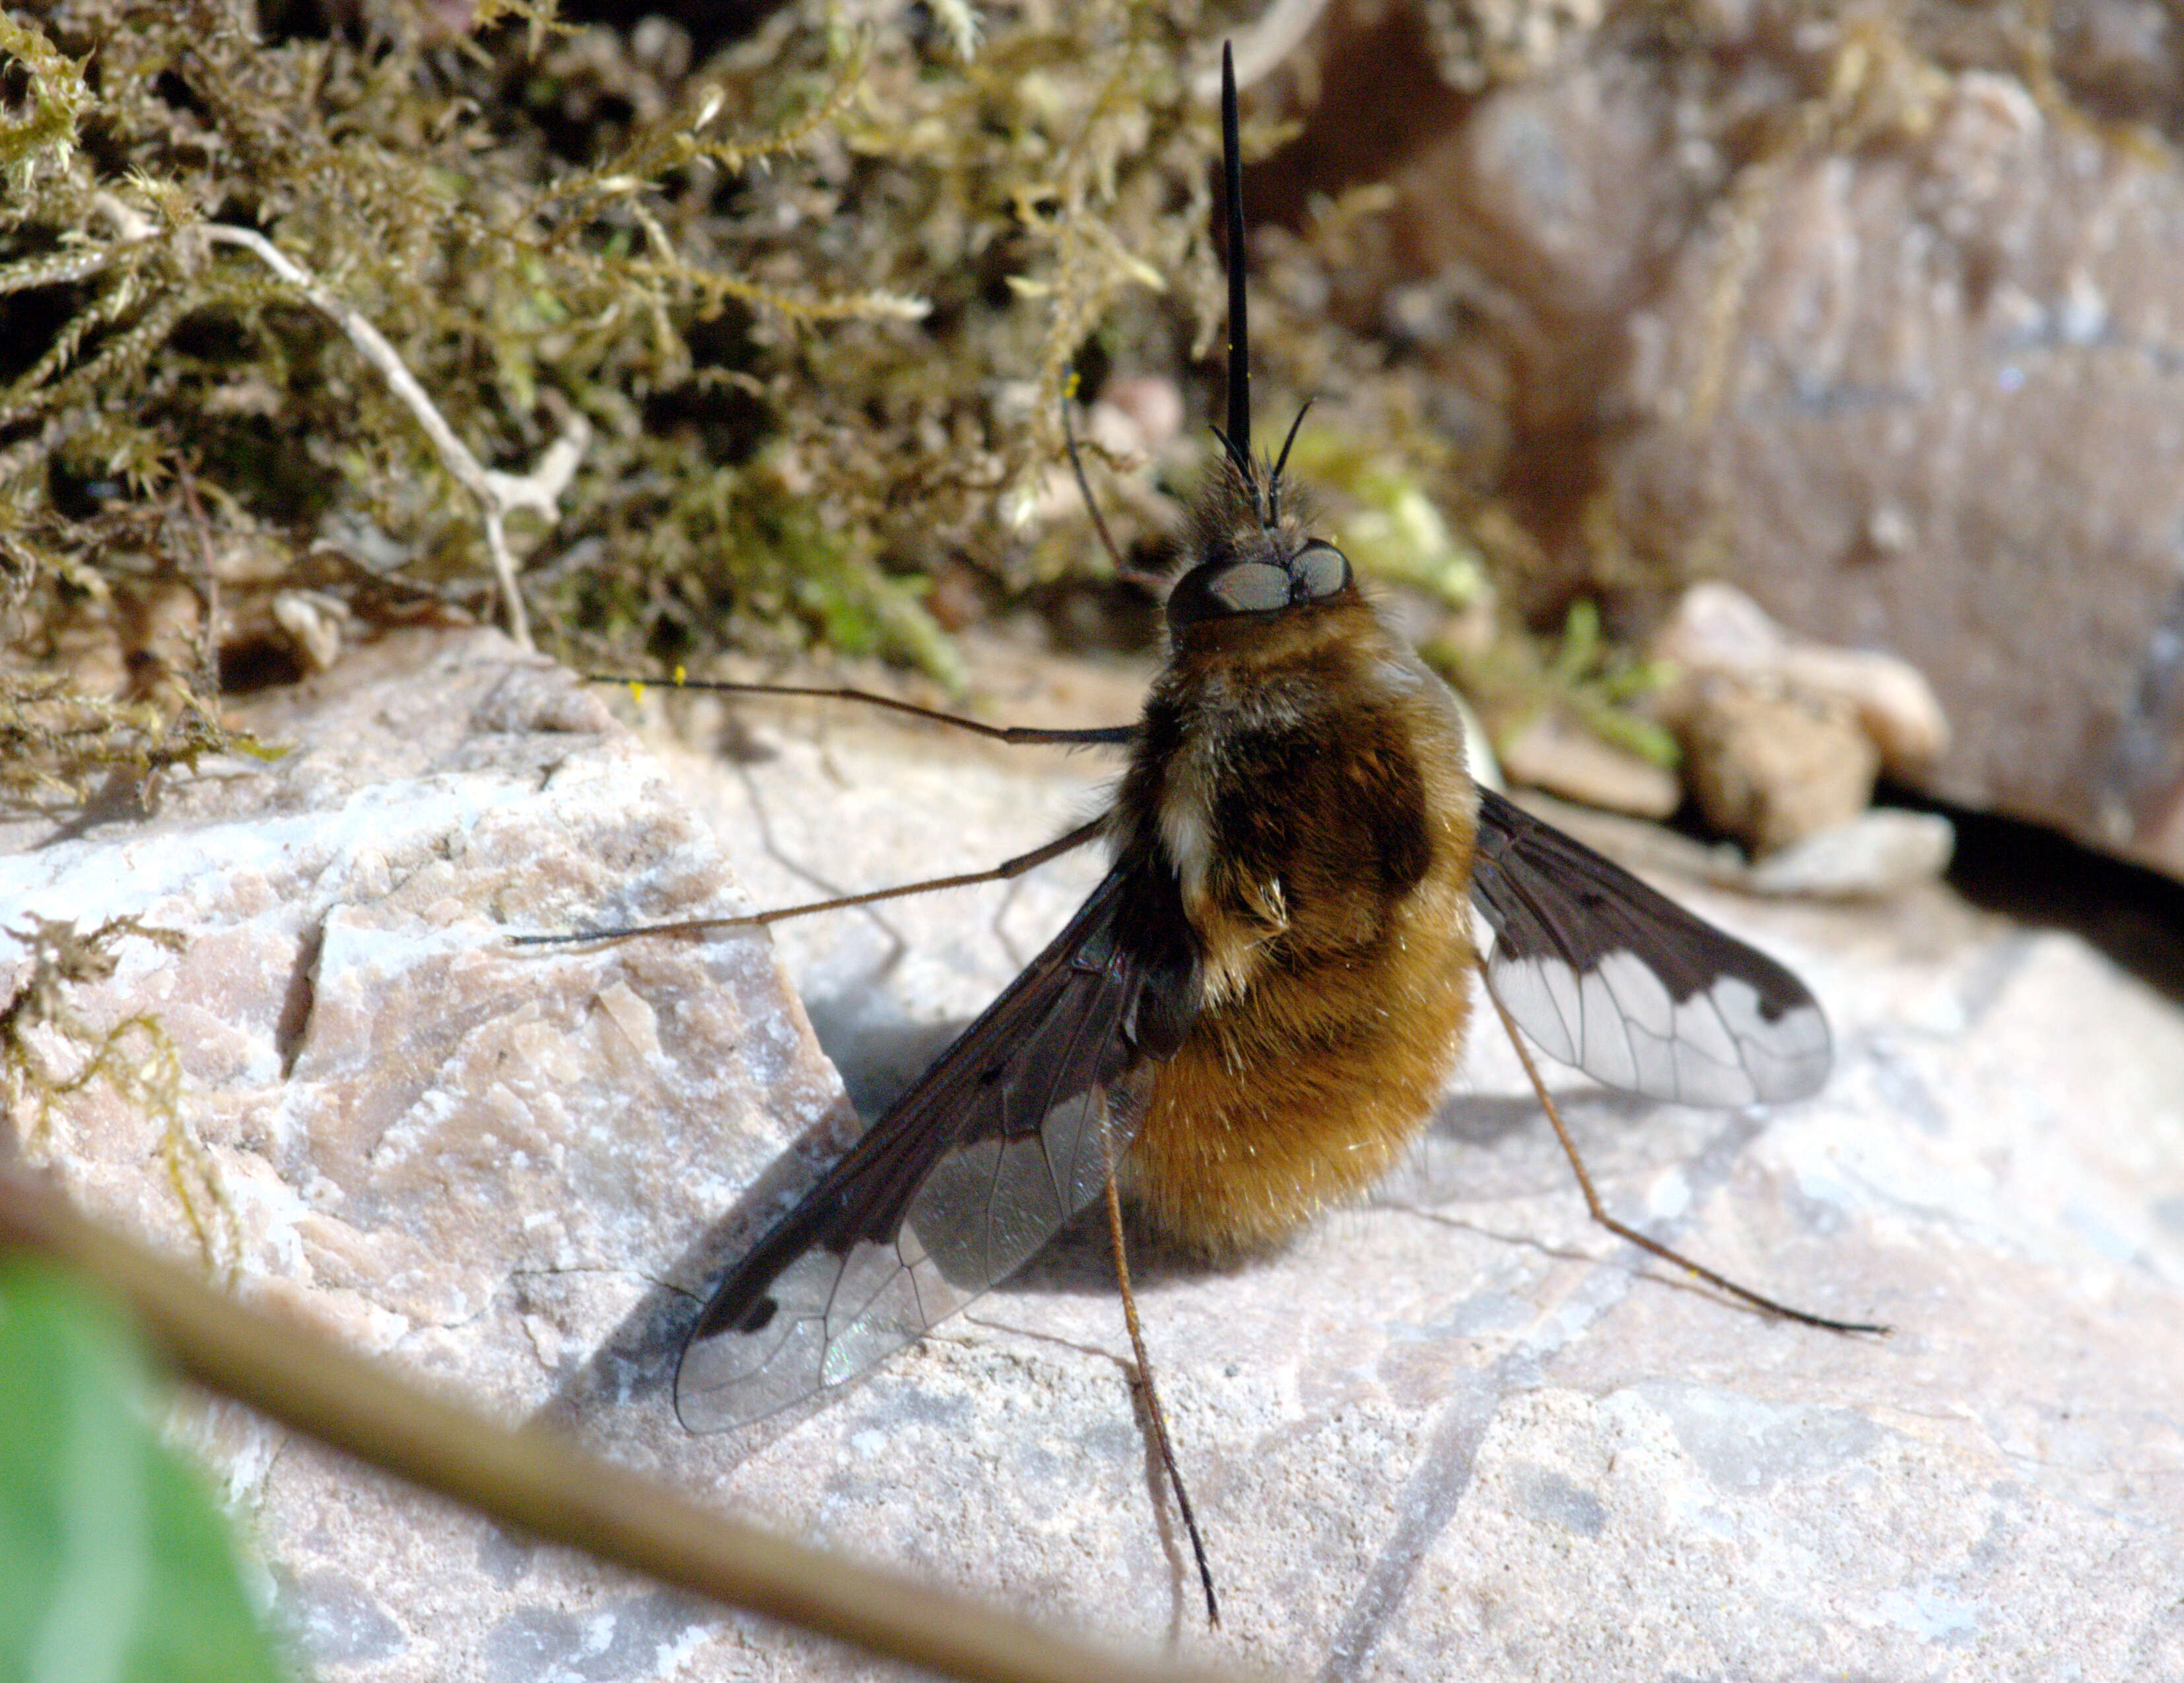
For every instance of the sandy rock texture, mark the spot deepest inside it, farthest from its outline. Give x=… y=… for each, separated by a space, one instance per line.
x=1457 y=1432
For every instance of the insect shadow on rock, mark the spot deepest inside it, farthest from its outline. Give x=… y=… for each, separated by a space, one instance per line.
x=1259 y=1006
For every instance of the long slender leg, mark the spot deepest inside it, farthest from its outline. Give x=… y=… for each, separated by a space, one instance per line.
x=1145 y=1387
x=1094 y=736
x=1621 y=1231
x=1002 y=873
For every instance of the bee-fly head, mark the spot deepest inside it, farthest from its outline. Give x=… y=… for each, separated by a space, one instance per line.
x=1246 y=558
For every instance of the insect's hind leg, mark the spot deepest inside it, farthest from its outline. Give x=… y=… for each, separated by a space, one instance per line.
x=1744 y=1294
x=1156 y=1419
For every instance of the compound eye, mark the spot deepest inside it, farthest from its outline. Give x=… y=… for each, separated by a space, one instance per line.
x=1251 y=588
x=1322 y=570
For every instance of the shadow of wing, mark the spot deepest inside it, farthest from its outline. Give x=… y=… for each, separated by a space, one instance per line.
x=1010 y=1132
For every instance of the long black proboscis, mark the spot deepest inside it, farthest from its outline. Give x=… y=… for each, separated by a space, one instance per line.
x=1238 y=438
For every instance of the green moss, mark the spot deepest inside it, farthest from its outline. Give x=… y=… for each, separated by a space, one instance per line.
x=844 y=251
x=1519 y=677
x=816 y=293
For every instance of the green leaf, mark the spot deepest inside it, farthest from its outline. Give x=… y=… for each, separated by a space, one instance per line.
x=114 y=1565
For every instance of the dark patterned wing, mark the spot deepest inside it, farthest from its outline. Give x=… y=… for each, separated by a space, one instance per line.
x=1608 y=975
x=1008 y=1134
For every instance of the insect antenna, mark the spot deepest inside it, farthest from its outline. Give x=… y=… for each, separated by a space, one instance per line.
x=1282 y=461
x=1744 y=1294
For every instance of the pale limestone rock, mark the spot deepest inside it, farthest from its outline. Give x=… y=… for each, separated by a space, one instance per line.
x=1458 y=1432
x=474 y=1160
x=1461 y=1433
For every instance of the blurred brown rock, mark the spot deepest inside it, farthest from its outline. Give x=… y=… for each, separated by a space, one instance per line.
x=1717 y=630
x=1771 y=765
x=1867 y=315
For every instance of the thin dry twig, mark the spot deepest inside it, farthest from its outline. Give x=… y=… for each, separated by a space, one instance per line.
x=533 y=1479
x=498 y=494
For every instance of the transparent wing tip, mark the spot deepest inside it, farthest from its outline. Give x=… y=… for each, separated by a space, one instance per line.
x=730 y=1379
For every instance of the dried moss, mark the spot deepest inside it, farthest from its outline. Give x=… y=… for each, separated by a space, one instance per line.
x=136 y=1058
x=56 y=742
x=814 y=292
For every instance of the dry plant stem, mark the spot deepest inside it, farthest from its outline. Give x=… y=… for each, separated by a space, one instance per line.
x=1720 y=1282
x=1122 y=568
x=498 y=494
x=1154 y=1414
x=1007 y=871
x=531 y=1480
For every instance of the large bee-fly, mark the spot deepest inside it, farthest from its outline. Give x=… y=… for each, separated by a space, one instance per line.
x=1258 y=1007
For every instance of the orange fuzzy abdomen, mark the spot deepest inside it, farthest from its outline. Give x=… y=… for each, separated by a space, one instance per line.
x=1299 y=1094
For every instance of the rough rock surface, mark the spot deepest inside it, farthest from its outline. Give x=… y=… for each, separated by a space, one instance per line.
x=468 y=1158
x=1458 y=1432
